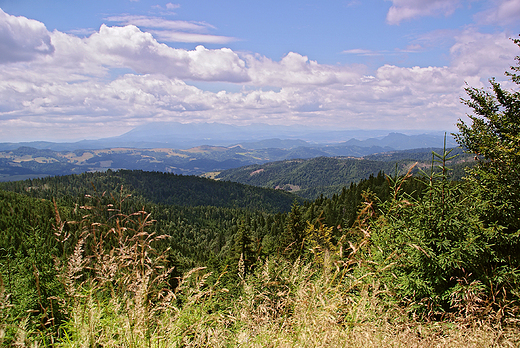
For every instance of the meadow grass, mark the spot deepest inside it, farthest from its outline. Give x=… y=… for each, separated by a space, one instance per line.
x=281 y=304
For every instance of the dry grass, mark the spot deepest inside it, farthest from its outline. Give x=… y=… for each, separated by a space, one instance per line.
x=314 y=309
x=281 y=305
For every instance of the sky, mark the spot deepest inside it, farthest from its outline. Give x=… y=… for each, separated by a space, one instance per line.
x=78 y=69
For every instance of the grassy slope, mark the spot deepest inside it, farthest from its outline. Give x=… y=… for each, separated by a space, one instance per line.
x=281 y=305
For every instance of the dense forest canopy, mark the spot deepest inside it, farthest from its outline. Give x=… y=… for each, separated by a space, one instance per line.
x=311 y=178
x=156 y=187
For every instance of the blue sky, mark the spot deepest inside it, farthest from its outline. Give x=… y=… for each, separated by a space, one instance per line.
x=71 y=70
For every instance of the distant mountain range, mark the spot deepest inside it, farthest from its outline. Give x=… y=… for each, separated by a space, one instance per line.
x=174 y=135
x=161 y=147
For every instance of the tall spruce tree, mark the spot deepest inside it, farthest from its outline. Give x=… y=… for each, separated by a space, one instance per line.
x=294 y=233
x=494 y=137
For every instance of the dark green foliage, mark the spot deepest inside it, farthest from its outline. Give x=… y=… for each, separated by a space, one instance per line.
x=430 y=245
x=494 y=137
x=292 y=240
x=307 y=178
x=341 y=210
x=28 y=249
x=242 y=254
x=155 y=187
x=311 y=178
x=200 y=235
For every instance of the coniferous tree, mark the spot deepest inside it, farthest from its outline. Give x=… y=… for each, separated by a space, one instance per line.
x=494 y=137
x=294 y=233
x=428 y=246
x=242 y=253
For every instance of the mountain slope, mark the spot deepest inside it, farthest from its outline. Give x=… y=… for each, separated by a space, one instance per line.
x=158 y=188
x=309 y=178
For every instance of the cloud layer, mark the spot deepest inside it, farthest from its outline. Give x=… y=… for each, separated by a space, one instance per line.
x=60 y=86
x=499 y=12
x=504 y=12
x=173 y=30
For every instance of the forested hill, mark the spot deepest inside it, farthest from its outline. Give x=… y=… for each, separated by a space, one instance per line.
x=310 y=178
x=159 y=188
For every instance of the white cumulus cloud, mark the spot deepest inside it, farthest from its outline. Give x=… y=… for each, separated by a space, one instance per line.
x=479 y=54
x=22 y=39
x=130 y=47
x=121 y=76
x=295 y=69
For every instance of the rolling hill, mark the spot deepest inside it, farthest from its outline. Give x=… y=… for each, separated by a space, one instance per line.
x=157 y=188
x=309 y=178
